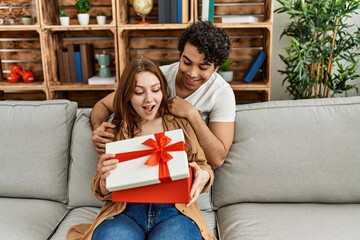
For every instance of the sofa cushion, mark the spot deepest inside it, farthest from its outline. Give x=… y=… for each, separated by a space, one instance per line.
x=35 y=142
x=293 y=151
x=289 y=221
x=29 y=219
x=83 y=163
x=82 y=215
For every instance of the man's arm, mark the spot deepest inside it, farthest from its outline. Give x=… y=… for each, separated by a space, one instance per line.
x=102 y=110
x=215 y=139
x=99 y=116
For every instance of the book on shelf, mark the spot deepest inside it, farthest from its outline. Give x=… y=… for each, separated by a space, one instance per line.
x=87 y=61
x=72 y=70
x=255 y=66
x=179 y=11
x=185 y=11
x=211 y=10
x=96 y=80
x=239 y=19
x=162 y=10
x=205 y=10
x=66 y=65
x=78 y=70
x=173 y=11
x=60 y=64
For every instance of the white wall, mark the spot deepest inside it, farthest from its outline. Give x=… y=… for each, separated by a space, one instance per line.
x=279 y=21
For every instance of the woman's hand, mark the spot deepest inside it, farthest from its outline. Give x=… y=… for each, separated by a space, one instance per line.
x=200 y=180
x=106 y=164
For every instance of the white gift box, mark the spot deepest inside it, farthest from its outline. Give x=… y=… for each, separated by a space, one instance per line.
x=131 y=173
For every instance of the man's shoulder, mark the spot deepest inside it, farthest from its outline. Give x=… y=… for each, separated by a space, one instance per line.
x=169 y=67
x=217 y=85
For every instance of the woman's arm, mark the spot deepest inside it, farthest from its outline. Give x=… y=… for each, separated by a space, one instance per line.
x=106 y=164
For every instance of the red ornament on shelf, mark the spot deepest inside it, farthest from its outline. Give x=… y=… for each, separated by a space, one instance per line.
x=17 y=72
x=12 y=77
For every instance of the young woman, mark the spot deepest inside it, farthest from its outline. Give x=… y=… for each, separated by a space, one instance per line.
x=141 y=108
x=198 y=93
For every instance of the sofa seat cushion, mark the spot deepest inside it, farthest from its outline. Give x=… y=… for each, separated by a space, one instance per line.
x=82 y=215
x=29 y=219
x=210 y=219
x=277 y=221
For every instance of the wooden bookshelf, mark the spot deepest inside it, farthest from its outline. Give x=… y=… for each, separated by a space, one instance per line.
x=34 y=46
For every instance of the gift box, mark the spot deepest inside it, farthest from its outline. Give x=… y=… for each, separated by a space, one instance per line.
x=158 y=159
x=169 y=192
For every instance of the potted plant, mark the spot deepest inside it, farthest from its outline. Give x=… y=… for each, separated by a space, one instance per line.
x=101 y=18
x=26 y=19
x=225 y=71
x=324 y=51
x=83 y=7
x=64 y=18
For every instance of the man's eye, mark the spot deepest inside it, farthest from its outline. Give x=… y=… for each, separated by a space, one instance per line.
x=187 y=63
x=203 y=68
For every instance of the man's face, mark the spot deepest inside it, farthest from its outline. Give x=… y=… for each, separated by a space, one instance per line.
x=193 y=70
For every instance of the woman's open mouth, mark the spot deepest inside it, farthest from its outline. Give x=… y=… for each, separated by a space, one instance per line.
x=149 y=109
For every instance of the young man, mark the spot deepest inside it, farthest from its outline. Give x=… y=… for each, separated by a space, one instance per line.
x=197 y=93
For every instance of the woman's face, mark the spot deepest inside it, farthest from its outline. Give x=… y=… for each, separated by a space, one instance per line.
x=193 y=70
x=147 y=96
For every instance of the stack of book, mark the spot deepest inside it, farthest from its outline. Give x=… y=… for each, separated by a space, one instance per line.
x=174 y=11
x=76 y=63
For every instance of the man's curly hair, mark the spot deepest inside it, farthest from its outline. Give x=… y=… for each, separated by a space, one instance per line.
x=213 y=41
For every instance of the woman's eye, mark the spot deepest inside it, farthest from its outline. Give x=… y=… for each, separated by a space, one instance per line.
x=156 y=90
x=138 y=93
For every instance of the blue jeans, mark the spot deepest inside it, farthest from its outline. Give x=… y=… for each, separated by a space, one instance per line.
x=148 y=221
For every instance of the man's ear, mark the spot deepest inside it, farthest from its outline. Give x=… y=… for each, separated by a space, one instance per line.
x=217 y=68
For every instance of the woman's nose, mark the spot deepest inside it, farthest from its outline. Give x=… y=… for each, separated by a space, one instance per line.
x=148 y=98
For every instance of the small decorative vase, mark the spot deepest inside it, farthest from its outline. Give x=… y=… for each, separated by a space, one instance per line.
x=227 y=75
x=65 y=21
x=101 y=20
x=26 y=20
x=83 y=18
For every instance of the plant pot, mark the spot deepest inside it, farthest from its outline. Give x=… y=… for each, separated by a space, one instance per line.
x=26 y=20
x=65 y=21
x=83 y=18
x=227 y=75
x=101 y=20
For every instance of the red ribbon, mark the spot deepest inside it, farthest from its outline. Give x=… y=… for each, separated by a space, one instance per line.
x=158 y=154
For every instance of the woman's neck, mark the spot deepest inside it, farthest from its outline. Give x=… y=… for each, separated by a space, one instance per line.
x=151 y=127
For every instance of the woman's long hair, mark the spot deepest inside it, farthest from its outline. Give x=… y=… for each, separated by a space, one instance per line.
x=125 y=117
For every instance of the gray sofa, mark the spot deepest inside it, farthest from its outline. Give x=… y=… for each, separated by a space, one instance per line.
x=293 y=171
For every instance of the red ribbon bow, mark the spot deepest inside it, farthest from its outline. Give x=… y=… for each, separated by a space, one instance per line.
x=158 y=154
